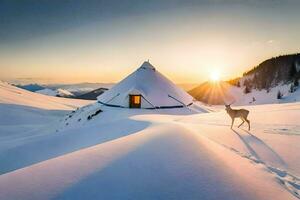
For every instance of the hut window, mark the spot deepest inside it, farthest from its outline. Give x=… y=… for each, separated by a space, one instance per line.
x=134 y=101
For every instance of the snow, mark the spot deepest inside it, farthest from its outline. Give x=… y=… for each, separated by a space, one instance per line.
x=47 y=91
x=264 y=96
x=80 y=88
x=25 y=114
x=183 y=153
x=17 y=96
x=156 y=89
x=58 y=92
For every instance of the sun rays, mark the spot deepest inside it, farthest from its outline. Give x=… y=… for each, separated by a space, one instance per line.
x=215 y=76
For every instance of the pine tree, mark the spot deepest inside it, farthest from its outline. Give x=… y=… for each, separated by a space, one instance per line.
x=292 y=88
x=279 y=95
x=245 y=82
x=296 y=82
x=247 y=89
x=293 y=71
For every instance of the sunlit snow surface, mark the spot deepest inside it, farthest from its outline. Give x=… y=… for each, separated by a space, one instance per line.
x=46 y=152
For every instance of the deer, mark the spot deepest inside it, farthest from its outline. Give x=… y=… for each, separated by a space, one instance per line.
x=240 y=113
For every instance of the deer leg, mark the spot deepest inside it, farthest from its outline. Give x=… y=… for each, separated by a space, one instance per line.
x=232 y=121
x=248 y=121
x=243 y=121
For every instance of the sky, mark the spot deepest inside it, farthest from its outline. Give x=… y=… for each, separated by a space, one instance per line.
x=70 y=41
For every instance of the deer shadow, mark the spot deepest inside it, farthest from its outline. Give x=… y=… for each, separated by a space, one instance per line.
x=258 y=141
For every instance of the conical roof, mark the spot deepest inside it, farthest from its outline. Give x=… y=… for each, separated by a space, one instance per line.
x=155 y=89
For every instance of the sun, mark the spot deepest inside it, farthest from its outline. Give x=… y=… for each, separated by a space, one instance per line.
x=215 y=75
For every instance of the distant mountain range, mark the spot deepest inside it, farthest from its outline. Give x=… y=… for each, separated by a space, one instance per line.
x=31 y=87
x=79 y=90
x=274 y=80
x=92 y=95
x=187 y=86
x=57 y=93
x=88 y=91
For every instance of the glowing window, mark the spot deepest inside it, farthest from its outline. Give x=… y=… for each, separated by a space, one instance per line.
x=136 y=99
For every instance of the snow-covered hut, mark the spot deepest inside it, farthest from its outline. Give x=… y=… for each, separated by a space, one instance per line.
x=146 y=88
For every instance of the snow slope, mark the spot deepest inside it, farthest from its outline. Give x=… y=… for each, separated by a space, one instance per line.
x=264 y=96
x=183 y=153
x=25 y=114
x=17 y=96
x=156 y=163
